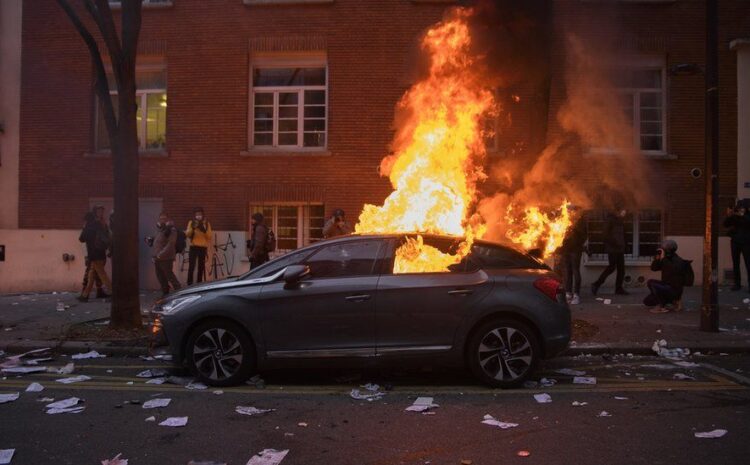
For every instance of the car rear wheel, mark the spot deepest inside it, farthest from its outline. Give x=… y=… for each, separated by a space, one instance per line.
x=503 y=353
x=220 y=353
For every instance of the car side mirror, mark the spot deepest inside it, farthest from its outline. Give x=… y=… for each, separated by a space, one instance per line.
x=294 y=274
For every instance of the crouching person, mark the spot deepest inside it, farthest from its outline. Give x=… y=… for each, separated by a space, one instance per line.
x=666 y=294
x=165 y=250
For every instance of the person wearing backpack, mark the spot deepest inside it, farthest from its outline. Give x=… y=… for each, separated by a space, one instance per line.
x=165 y=251
x=676 y=273
x=258 y=245
x=199 y=232
x=97 y=237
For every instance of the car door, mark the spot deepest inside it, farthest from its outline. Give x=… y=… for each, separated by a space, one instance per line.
x=331 y=312
x=420 y=312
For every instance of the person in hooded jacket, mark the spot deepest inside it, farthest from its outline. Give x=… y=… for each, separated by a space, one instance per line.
x=738 y=224
x=199 y=232
x=164 y=253
x=257 y=246
x=98 y=239
x=571 y=251
x=336 y=225
x=674 y=272
x=614 y=247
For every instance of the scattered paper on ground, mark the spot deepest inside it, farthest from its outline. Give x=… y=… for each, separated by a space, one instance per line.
x=422 y=404
x=152 y=373
x=174 y=421
x=65 y=403
x=604 y=413
x=683 y=377
x=152 y=418
x=661 y=349
x=35 y=387
x=115 y=461
x=620 y=398
x=371 y=387
x=268 y=457
x=196 y=386
x=90 y=354
x=356 y=394
x=579 y=404
x=66 y=370
x=685 y=364
x=157 y=403
x=717 y=433
x=157 y=381
x=74 y=379
x=9 y=397
x=6 y=455
x=543 y=398
x=23 y=370
x=252 y=410
x=584 y=380
x=492 y=421
x=570 y=372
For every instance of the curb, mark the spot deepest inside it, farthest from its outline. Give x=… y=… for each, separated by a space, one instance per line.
x=74 y=347
x=645 y=349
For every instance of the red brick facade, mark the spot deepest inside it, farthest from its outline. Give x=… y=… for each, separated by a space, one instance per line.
x=370 y=48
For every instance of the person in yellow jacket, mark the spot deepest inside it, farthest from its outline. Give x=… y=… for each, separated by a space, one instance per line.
x=200 y=234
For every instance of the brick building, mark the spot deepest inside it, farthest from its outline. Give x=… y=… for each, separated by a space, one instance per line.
x=286 y=107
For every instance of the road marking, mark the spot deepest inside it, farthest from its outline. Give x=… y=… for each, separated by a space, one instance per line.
x=739 y=378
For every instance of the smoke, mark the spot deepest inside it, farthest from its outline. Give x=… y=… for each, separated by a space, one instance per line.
x=587 y=156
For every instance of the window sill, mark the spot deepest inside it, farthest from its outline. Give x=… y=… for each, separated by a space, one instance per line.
x=147 y=6
x=257 y=152
x=285 y=2
x=142 y=153
x=612 y=152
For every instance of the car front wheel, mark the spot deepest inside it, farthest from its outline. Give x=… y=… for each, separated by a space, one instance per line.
x=503 y=353
x=220 y=353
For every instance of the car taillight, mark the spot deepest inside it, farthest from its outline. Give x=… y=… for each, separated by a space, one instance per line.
x=549 y=287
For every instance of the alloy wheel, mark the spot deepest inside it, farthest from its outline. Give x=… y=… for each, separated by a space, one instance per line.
x=505 y=354
x=217 y=354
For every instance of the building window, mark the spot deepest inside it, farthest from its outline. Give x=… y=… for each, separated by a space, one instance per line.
x=294 y=225
x=151 y=104
x=644 y=104
x=289 y=106
x=643 y=234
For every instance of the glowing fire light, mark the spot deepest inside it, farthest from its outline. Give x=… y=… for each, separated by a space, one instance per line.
x=438 y=153
x=539 y=229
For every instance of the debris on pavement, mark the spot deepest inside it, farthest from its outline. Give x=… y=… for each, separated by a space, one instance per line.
x=661 y=349
x=174 y=421
x=256 y=381
x=23 y=370
x=151 y=418
x=90 y=354
x=159 y=402
x=6 y=455
x=252 y=410
x=46 y=399
x=4 y=398
x=69 y=405
x=570 y=372
x=492 y=421
x=547 y=382
x=422 y=404
x=36 y=361
x=683 y=377
x=543 y=398
x=523 y=453
x=15 y=360
x=684 y=364
x=717 y=433
x=157 y=381
x=66 y=370
x=74 y=379
x=620 y=398
x=195 y=386
x=604 y=413
x=302 y=424
x=115 y=461
x=607 y=301
x=371 y=387
x=579 y=404
x=152 y=373
x=35 y=387
x=268 y=457
x=218 y=392
x=584 y=380
x=356 y=394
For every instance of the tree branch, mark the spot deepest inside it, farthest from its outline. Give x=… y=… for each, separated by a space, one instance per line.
x=102 y=16
x=131 y=27
x=102 y=88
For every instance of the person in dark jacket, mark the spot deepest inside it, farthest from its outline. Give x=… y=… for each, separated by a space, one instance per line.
x=89 y=218
x=336 y=225
x=97 y=237
x=164 y=245
x=614 y=247
x=668 y=290
x=257 y=250
x=738 y=224
x=571 y=251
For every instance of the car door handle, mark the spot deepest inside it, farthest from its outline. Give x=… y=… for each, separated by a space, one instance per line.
x=460 y=292
x=357 y=298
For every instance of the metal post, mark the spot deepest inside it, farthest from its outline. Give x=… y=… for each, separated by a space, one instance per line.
x=710 y=308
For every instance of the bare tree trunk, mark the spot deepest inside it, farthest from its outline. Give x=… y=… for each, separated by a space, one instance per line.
x=123 y=134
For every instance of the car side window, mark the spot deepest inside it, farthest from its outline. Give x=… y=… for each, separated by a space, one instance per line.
x=498 y=257
x=274 y=266
x=355 y=258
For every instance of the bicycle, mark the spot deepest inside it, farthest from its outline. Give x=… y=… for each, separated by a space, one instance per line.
x=222 y=263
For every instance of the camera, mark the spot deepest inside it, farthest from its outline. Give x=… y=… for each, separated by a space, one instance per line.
x=149 y=241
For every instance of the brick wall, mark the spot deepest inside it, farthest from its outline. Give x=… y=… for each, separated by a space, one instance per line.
x=371 y=55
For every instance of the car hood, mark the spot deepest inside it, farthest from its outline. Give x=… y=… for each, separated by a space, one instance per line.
x=224 y=284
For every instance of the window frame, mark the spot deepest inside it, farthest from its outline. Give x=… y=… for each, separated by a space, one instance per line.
x=262 y=60
x=375 y=269
x=142 y=95
x=304 y=217
x=635 y=256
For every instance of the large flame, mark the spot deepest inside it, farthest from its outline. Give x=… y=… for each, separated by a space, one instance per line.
x=439 y=151
x=537 y=229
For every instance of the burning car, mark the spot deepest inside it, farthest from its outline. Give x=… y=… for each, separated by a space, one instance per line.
x=497 y=310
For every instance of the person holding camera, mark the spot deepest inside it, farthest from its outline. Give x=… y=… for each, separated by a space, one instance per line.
x=674 y=277
x=738 y=224
x=336 y=225
x=165 y=251
x=199 y=232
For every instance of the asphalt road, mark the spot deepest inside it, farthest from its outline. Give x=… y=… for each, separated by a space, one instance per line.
x=317 y=420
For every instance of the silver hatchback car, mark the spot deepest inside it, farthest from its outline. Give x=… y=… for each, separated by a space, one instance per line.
x=499 y=311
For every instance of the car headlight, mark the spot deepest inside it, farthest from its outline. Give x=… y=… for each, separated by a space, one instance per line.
x=175 y=305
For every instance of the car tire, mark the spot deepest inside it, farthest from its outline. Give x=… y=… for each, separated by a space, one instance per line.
x=220 y=353
x=503 y=352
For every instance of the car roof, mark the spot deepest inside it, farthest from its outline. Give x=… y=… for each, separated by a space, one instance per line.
x=424 y=235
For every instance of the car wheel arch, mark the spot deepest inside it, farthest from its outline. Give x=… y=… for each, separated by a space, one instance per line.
x=505 y=314
x=209 y=318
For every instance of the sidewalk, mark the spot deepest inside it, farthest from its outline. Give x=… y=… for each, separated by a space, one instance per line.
x=623 y=326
